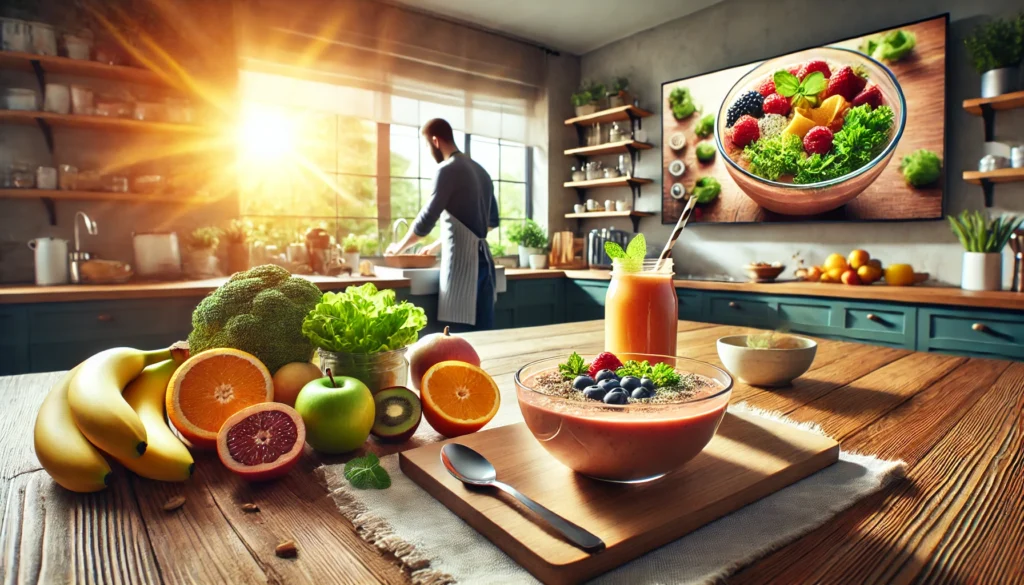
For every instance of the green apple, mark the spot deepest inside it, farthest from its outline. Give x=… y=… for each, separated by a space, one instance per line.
x=338 y=415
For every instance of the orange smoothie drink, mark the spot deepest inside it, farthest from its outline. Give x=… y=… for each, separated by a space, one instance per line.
x=641 y=310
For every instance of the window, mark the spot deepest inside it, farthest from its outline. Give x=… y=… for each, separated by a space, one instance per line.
x=303 y=168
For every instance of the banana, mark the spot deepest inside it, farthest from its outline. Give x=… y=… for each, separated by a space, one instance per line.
x=62 y=449
x=166 y=457
x=97 y=406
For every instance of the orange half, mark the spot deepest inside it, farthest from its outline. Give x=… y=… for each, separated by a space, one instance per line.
x=458 y=398
x=210 y=387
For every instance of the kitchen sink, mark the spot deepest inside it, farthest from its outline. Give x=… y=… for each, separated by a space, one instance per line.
x=424 y=281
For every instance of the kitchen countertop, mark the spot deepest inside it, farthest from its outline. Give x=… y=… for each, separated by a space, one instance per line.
x=955 y=517
x=28 y=293
x=928 y=295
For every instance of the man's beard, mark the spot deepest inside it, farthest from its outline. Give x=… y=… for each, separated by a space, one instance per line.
x=437 y=154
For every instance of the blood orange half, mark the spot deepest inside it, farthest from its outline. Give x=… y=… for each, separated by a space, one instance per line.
x=261 y=442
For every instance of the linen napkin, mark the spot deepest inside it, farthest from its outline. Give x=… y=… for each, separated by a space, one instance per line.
x=437 y=547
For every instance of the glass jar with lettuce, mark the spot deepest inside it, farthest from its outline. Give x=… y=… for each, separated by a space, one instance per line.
x=363 y=333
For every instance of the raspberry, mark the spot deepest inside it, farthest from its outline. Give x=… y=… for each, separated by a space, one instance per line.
x=767 y=87
x=812 y=66
x=793 y=69
x=745 y=131
x=605 y=361
x=845 y=83
x=776 y=104
x=818 y=140
x=871 y=96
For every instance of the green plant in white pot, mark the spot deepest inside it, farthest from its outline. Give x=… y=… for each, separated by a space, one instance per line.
x=983 y=243
x=996 y=49
x=531 y=240
x=201 y=253
x=619 y=94
x=350 y=247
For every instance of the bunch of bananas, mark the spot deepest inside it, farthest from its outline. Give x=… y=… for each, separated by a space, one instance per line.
x=111 y=403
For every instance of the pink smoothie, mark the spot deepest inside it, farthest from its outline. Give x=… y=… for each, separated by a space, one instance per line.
x=636 y=442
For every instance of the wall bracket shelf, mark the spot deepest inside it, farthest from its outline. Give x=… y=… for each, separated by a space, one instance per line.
x=987 y=108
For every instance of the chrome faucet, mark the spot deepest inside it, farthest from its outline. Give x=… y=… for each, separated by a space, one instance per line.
x=395 y=237
x=78 y=256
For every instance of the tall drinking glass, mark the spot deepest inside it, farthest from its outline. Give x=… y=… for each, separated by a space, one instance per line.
x=641 y=310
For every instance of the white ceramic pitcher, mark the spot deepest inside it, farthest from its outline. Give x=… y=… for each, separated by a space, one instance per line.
x=51 y=260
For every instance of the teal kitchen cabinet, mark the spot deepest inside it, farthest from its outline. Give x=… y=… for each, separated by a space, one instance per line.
x=530 y=302
x=742 y=309
x=63 y=334
x=689 y=305
x=584 y=299
x=983 y=333
x=13 y=340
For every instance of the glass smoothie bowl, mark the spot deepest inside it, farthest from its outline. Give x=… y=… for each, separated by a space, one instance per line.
x=641 y=440
x=846 y=135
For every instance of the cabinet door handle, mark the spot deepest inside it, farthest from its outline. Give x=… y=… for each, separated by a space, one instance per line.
x=733 y=305
x=104 y=317
x=874 y=317
x=980 y=327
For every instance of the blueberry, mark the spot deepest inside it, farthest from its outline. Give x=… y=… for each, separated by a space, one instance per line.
x=629 y=383
x=647 y=383
x=641 y=393
x=595 y=393
x=581 y=382
x=607 y=385
x=616 y=397
x=606 y=375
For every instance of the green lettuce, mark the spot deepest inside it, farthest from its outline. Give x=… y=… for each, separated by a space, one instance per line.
x=363 y=320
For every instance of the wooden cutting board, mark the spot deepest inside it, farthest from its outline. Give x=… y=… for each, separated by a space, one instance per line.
x=749 y=458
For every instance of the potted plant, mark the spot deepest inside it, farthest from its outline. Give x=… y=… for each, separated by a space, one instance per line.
x=236 y=244
x=983 y=243
x=200 y=253
x=598 y=93
x=583 y=102
x=531 y=240
x=996 y=49
x=619 y=96
x=350 y=247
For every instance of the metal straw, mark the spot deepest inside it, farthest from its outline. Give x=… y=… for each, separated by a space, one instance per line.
x=684 y=217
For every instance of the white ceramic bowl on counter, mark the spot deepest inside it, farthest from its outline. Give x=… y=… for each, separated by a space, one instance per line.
x=766 y=367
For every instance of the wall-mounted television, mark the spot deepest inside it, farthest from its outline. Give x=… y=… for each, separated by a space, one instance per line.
x=813 y=135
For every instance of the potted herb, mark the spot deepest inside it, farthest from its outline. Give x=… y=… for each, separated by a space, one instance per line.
x=983 y=243
x=531 y=240
x=583 y=102
x=619 y=96
x=200 y=253
x=236 y=244
x=598 y=93
x=350 y=247
x=996 y=49
x=364 y=333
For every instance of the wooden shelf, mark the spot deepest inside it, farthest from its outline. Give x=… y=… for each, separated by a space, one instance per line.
x=611 y=182
x=1007 y=101
x=618 y=114
x=623 y=147
x=17 y=61
x=600 y=214
x=996 y=176
x=100 y=196
x=31 y=118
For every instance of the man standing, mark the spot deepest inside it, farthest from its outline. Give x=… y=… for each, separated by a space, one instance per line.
x=463 y=201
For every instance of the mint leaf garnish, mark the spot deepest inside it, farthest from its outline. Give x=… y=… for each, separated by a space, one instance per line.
x=574 y=366
x=662 y=374
x=813 y=83
x=786 y=84
x=637 y=248
x=614 y=250
x=366 y=473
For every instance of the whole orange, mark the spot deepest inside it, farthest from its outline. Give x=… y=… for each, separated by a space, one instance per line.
x=899 y=275
x=869 y=273
x=858 y=258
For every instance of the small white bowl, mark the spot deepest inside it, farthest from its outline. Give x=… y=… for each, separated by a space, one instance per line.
x=765 y=367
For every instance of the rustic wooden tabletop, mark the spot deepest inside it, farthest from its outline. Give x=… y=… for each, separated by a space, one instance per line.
x=958 y=517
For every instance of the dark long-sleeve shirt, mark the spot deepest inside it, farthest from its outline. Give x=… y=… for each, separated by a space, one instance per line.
x=464 y=189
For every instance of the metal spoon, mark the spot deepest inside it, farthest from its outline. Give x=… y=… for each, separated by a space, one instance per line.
x=472 y=468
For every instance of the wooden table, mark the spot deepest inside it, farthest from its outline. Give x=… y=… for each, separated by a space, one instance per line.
x=956 y=518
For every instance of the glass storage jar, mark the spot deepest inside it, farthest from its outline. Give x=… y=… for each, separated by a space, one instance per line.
x=377 y=370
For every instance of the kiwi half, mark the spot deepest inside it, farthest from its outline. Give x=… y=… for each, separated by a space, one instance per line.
x=398 y=414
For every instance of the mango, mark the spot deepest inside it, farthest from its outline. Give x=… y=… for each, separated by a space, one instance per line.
x=799 y=125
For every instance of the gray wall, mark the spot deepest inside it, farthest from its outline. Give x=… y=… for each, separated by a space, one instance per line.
x=741 y=31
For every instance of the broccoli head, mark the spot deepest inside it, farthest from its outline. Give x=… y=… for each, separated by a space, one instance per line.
x=706 y=189
x=259 y=311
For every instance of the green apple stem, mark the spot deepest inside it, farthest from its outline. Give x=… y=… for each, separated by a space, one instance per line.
x=331 y=376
